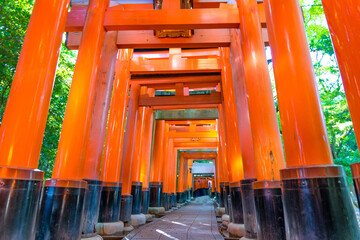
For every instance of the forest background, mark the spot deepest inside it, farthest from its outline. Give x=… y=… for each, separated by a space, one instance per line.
x=14 y=18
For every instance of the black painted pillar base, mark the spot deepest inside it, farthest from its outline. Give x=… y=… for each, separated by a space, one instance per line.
x=110 y=202
x=20 y=191
x=136 y=192
x=174 y=200
x=269 y=210
x=222 y=195
x=226 y=197
x=165 y=202
x=230 y=208
x=186 y=195
x=61 y=210
x=236 y=203
x=170 y=201
x=156 y=189
x=91 y=207
x=355 y=170
x=317 y=205
x=180 y=197
x=145 y=200
x=248 y=204
x=126 y=208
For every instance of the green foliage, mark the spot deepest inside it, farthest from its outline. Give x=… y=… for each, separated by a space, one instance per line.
x=14 y=18
x=57 y=109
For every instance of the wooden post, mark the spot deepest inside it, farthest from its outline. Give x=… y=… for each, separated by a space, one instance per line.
x=307 y=149
x=69 y=163
x=128 y=153
x=95 y=142
x=156 y=184
x=24 y=120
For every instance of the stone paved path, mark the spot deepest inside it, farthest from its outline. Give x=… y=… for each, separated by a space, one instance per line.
x=195 y=221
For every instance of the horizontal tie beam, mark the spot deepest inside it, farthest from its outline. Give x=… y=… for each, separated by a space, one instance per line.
x=193 y=100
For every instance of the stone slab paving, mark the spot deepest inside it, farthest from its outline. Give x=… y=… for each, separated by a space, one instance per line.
x=195 y=221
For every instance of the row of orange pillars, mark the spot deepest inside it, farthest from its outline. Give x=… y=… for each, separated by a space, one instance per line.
x=304 y=197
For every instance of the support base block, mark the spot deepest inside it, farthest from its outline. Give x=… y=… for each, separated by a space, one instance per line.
x=110 y=228
x=138 y=219
x=149 y=217
x=236 y=230
x=128 y=228
x=220 y=211
x=156 y=210
x=225 y=220
x=97 y=237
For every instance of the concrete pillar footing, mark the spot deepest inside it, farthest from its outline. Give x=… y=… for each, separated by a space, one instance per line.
x=128 y=228
x=236 y=229
x=156 y=210
x=225 y=220
x=220 y=211
x=149 y=217
x=97 y=237
x=110 y=228
x=138 y=219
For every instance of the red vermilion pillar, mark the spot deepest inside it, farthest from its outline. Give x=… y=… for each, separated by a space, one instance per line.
x=232 y=112
x=146 y=155
x=136 y=186
x=184 y=182
x=190 y=178
x=343 y=18
x=104 y=88
x=128 y=153
x=66 y=181
x=168 y=146
x=174 y=177
x=242 y=106
x=24 y=120
x=328 y=212
x=223 y=169
x=181 y=179
x=95 y=141
x=265 y=130
x=111 y=165
x=217 y=177
x=156 y=184
x=225 y=129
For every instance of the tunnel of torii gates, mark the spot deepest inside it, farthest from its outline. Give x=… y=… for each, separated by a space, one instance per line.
x=117 y=152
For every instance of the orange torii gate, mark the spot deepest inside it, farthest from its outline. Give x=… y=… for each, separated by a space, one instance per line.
x=191 y=156
x=98 y=28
